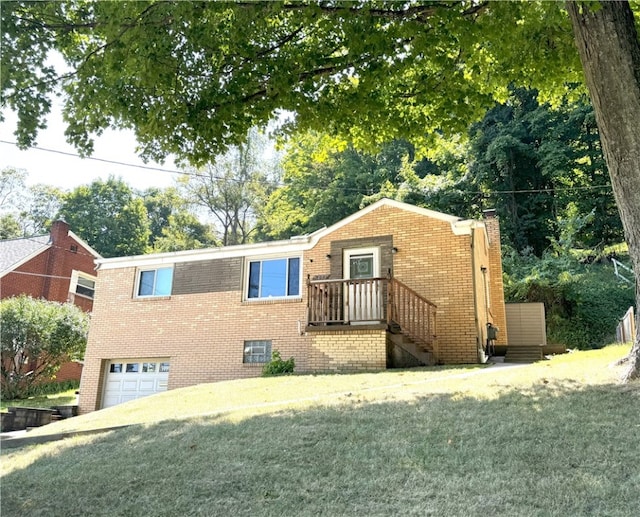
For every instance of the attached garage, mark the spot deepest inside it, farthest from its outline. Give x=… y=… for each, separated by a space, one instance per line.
x=130 y=379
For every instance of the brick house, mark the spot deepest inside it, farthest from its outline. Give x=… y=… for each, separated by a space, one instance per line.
x=58 y=266
x=391 y=285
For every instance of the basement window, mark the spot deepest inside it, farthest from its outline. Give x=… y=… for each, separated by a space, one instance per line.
x=257 y=352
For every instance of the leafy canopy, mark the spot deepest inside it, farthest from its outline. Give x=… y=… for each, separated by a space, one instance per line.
x=192 y=77
x=109 y=216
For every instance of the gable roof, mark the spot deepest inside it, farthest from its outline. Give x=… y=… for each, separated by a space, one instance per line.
x=15 y=252
x=458 y=225
x=294 y=244
x=85 y=245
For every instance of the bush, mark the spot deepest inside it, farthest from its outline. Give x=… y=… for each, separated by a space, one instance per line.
x=51 y=388
x=278 y=366
x=37 y=337
x=583 y=302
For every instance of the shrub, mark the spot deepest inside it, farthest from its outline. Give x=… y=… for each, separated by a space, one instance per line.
x=37 y=337
x=51 y=388
x=278 y=366
x=583 y=302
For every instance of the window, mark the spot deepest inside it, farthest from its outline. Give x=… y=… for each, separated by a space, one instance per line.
x=257 y=352
x=277 y=278
x=155 y=282
x=133 y=368
x=85 y=287
x=115 y=368
x=148 y=367
x=82 y=284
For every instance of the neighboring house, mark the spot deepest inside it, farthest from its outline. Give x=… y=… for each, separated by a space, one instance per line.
x=392 y=285
x=58 y=266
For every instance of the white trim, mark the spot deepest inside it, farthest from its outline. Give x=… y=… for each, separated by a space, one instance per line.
x=73 y=283
x=451 y=219
x=347 y=253
x=294 y=245
x=136 y=287
x=24 y=260
x=262 y=258
x=84 y=245
x=272 y=249
x=350 y=310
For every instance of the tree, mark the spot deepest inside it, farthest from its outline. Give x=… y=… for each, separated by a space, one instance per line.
x=109 y=217
x=608 y=45
x=172 y=226
x=12 y=186
x=537 y=165
x=41 y=208
x=37 y=337
x=323 y=184
x=9 y=227
x=31 y=208
x=233 y=188
x=193 y=77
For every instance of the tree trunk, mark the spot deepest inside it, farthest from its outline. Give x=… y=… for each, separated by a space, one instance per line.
x=607 y=41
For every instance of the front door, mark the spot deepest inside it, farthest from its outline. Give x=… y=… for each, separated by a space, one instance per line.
x=363 y=298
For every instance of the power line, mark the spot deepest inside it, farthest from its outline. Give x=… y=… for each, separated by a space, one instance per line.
x=549 y=190
x=103 y=160
x=194 y=174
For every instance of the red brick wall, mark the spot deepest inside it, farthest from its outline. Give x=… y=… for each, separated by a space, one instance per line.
x=71 y=371
x=47 y=275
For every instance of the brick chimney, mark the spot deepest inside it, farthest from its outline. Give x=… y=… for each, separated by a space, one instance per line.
x=59 y=230
x=492 y=225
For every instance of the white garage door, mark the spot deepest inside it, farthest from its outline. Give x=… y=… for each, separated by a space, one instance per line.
x=129 y=379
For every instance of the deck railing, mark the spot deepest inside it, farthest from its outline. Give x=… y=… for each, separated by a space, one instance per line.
x=347 y=301
x=373 y=300
x=415 y=315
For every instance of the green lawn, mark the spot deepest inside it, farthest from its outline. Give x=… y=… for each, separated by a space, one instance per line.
x=63 y=398
x=555 y=438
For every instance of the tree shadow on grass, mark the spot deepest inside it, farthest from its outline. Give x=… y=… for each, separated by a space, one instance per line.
x=554 y=450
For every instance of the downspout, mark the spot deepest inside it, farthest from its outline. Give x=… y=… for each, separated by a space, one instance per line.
x=480 y=355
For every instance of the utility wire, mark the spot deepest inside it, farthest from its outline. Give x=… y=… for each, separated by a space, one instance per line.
x=104 y=160
x=318 y=186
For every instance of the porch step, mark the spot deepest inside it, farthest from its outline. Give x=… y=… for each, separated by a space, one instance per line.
x=523 y=354
x=405 y=353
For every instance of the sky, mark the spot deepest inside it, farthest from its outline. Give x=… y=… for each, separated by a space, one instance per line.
x=67 y=171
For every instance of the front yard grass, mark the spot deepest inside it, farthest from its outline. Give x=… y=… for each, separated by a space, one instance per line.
x=63 y=398
x=554 y=438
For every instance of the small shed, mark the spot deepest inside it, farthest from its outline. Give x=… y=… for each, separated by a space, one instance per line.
x=526 y=323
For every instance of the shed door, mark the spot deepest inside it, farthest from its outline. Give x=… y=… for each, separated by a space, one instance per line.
x=363 y=298
x=130 y=379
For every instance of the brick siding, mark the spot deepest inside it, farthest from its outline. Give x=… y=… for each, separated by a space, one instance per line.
x=203 y=333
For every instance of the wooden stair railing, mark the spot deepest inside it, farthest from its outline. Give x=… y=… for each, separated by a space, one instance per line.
x=373 y=299
x=415 y=315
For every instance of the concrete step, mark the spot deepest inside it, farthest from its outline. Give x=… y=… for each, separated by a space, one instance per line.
x=523 y=354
